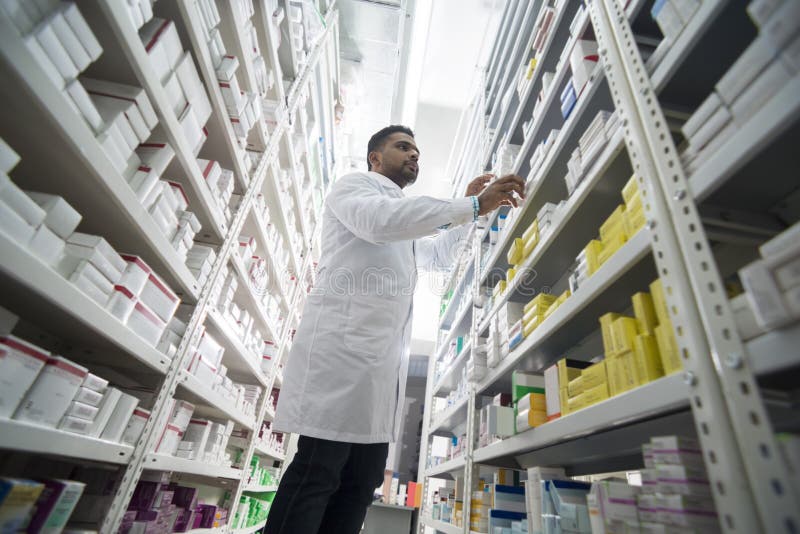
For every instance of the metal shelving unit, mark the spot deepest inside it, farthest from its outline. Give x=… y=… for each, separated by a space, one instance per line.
x=725 y=394
x=86 y=178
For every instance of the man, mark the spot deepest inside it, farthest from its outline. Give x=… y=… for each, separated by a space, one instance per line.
x=348 y=363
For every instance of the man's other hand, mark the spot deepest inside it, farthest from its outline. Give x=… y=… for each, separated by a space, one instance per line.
x=501 y=193
x=476 y=186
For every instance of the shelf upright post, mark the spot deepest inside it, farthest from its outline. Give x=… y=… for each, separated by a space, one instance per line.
x=765 y=492
x=660 y=180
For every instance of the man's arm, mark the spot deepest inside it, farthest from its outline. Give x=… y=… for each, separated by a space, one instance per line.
x=438 y=253
x=377 y=218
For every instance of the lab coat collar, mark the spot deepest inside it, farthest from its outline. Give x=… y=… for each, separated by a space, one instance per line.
x=384 y=180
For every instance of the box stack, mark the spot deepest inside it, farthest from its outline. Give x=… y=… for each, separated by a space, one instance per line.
x=583 y=59
x=175 y=427
x=556 y=382
x=540 y=154
x=507 y=514
x=672 y=16
x=251 y=511
x=37 y=506
x=496 y=421
x=206 y=441
x=528 y=396
x=772 y=285
x=178 y=75
x=763 y=69
x=478 y=363
x=533 y=494
x=220 y=182
x=200 y=260
x=590 y=145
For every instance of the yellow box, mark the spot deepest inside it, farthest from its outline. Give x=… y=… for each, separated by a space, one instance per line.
x=635 y=220
x=611 y=246
x=575 y=386
x=531 y=68
x=534 y=314
x=660 y=302
x=536 y=401
x=630 y=189
x=645 y=312
x=563 y=397
x=592 y=252
x=576 y=403
x=648 y=360
x=614 y=220
x=514 y=255
x=558 y=302
x=510 y=274
x=624 y=332
x=499 y=288
x=605 y=328
x=541 y=301
x=530 y=246
x=532 y=230
x=594 y=375
x=668 y=349
x=634 y=202
x=528 y=328
x=596 y=394
x=565 y=374
x=621 y=373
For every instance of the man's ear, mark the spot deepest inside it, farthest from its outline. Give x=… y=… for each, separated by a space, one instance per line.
x=374 y=158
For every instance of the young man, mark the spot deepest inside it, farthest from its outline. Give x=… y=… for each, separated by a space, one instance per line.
x=350 y=354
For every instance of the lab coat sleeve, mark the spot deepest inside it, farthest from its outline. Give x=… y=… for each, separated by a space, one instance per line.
x=438 y=253
x=378 y=218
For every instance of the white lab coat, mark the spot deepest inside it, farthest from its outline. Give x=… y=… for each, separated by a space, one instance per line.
x=350 y=354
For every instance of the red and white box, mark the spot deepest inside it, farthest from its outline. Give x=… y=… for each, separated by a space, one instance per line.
x=98 y=252
x=135 y=275
x=193 y=88
x=159 y=297
x=170 y=438
x=163 y=46
x=156 y=155
x=48 y=398
x=129 y=93
x=146 y=323
x=20 y=364
x=121 y=303
x=135 y=427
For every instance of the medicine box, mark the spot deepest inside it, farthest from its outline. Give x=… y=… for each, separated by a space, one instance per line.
x=20 y=364
x=49 y=397
x=120 y=415
x=106 y=408
x=55 y=505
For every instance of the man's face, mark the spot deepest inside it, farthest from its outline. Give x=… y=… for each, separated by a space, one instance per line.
x=398 y=160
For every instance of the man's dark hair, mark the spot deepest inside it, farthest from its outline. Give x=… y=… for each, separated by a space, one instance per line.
x=377 y=141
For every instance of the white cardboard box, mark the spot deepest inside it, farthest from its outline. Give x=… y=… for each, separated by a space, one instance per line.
x=77 y=53
x=20 y=364
x=60 y=217
x=119 y=417
x=48 y=398
x=81 y=29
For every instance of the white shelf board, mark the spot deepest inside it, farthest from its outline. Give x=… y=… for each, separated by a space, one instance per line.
x=236 y=356
x=38 y=293
x=450 y=417
x=449 y=379
x=455 y=328
x=250 y=530
x=449 y=466
x=163 y=462
x=442 y=526
x=73 y=164
x=262 y=450
x=684 y=43
x=257 y=488
x=775 y=351
x=29 y=438
x=217 y=530
x=556 y=329
x=211 y=403
x=575 y=204
x=651 y=400
x=768 y=123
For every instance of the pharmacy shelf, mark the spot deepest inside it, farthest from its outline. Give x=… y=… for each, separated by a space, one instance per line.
x=269 y=411
x=726 y=175
x=276 y=270
x=258 y=488
x=251 y=304
x=609 y=289
x=34 y=439
x=456 y=327
x=592 y=201
x=547 y=184
x=450 y=378
x=549 y=62
x=250 y=530
x=451 y=417
x=456 y=464
x=448 y=318
x=263 y=450
x=590 y=430
x=85 y=176
x=714 y=36
x=209 y=402
x=278 y=382
x=776 y=351
x=241 y=362
x=38 y=293
x=442 y=526
x=133 y=52
x=163 y=462
x=292 y=96
x=275 y=205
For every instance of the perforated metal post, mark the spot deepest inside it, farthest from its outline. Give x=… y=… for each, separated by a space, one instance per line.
x=664 y=193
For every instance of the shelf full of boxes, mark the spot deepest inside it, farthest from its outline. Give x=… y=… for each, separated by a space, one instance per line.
x=580 y=362
x=151 y=283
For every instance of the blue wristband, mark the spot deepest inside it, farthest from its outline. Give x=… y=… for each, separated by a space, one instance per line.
x=476 y=208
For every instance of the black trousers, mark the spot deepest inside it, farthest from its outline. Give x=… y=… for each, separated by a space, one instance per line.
x=327 y=488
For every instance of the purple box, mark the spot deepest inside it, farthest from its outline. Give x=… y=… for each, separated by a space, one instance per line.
x=184 y=521
x=207 y=511
x=197 y=519
x=163 y=499
x=184 y=497
x=147 y=515
x=144 y=495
